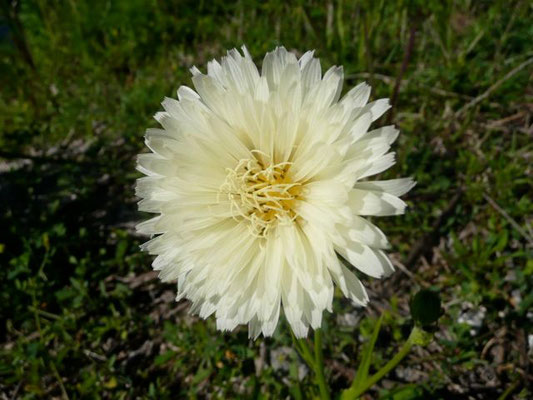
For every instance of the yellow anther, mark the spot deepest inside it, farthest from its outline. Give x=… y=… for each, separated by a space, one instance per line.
x=261 y=193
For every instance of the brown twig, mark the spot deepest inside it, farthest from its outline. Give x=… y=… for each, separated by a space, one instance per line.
x=511 y=118
x=509 y=219
x=495 y=86
x=389 y=80
x=405 y=62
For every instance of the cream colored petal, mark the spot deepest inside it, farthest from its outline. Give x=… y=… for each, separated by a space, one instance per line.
x=372 y=262
x=365 y=202
x=349 y=284
x=362 y=231
x=396 y=187
x=358 y=96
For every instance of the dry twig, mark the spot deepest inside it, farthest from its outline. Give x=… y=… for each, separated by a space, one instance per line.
x=495 y=86
x=509 y=219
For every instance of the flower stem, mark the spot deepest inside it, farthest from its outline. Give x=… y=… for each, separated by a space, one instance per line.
x=302 y=349
x=314 y=361
x=417 y=336
x=319 y=366
x=404 y=350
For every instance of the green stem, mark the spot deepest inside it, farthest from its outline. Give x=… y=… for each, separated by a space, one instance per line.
x=386 y=368
x=59 y=381
x=417 y=336
x=319 y=366
x=509 y=390
x=303 y=350
x=314 y=361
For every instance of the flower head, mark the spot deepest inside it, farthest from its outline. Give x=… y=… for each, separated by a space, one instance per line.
x=259 y=182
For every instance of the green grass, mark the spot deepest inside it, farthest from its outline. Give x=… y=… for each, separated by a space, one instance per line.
x=82 y=315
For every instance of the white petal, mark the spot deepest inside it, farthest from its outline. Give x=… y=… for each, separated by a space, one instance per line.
x=334 y=78
x=186 y=93
x=363 y=231
x=311 y=161
x=326 y=92
x=377 y=108
x=212 y=93
x=214 y=69
x=235 y=76
x=305 y=58
x=372 y=262
x=365 y=202
x=160 y=142
x=293 y=304
x=396 y=187
x=311 y=73
x=154 y=165
x=358 y=96
x=195 y=71
x=274 y=63
x=328 y=192
x=170 y=124
x=374 y=166
x=349 y=284
x=148 y=227
x=387 y=133
x=261 y=90
x=360 y=127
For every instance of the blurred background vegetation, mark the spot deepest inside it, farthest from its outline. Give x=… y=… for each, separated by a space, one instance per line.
x=82 y=314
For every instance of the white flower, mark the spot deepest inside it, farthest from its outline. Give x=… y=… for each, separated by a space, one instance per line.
x=258 y=180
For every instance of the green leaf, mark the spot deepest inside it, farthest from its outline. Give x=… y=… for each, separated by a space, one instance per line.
x=295 y=388
x=362 y=371
x=165 y=357
x=201 y=375
x=407 y=392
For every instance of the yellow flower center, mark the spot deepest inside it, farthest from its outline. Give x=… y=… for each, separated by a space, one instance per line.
x=261 y=192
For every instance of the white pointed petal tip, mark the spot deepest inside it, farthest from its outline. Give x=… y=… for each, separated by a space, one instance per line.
x=195 y=71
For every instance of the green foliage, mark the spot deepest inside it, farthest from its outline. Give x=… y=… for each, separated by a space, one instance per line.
x=366 y=357
x=81 y=313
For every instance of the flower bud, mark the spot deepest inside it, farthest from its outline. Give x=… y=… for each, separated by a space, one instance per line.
x=426 y=307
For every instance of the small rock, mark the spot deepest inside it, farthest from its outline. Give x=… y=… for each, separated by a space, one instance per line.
x=348 y=319
x=473 y=317
x=516 y=298
x=280 y=358
x=409 y=374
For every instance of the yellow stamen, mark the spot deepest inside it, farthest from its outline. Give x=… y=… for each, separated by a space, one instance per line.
x=264 y=196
